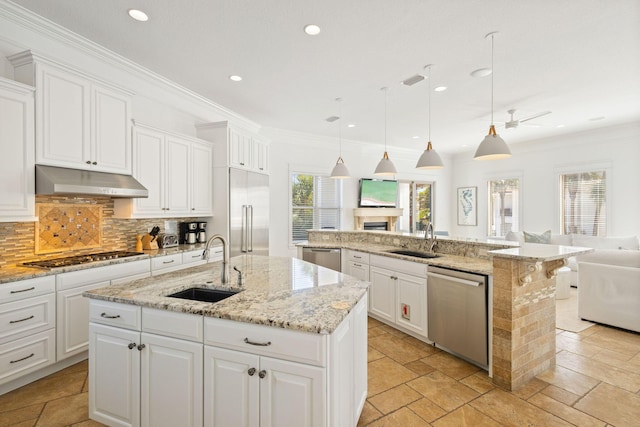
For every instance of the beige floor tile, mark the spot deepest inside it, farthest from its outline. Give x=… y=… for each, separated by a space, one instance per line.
x=374 y=332
x=385 y=374
x=565 y=412
x=373 y=354
x=65 y=411
x=581 y=347
x=395 y=398
x=560 y=395
x=373 y=323
x=427 y=410
x=24 y=414
x=569 y=380
x=88 y=423
x=619 y=360
x=393 y=331
x=369 y=414
x=52 y=387
x=611 y=404
x=451 y=365
x=466 y=416
x=398 y=349
x=616 y=340
x=403 y=417
x=419 y=367
x=530 y=388
x=508 y=410
x=429 y=348
x=29 y=423
x=443 y=390
x=479 y=381
x=610 y=374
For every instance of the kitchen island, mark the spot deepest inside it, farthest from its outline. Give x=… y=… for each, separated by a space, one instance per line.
x=288 y=349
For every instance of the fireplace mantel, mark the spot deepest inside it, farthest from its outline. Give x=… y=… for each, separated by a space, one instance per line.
x=362 y=215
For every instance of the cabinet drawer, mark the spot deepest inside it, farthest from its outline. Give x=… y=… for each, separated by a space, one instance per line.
x=28 y=354
x=359 y=257
x=22 y=289
x=281 y=343
x=171 y=324
x=99 y=274
x=192 y=258
x=115 y=314
x=21 y=318
x=166 y=263
x=399 y=265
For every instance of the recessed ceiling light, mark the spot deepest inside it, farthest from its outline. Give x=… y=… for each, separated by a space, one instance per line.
x=559 y=126
x=415 y=137
x=312 y=29
x=235 y=78
x=481 y=72
x=595 y=119
x=440 y=89
x=138 y=15
x=351 y=125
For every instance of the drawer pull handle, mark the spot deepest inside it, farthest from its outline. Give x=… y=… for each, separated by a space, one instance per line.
x=168 y=262
x=196 y=256
x=21 y=320
x=131 y=345
x=357 y=257
x=23 y=290
x=263 y=344
x=357 y=265
x=108 y=316
x=141 y=346
x=262 y=373
x=251 y=371
x=24 y=358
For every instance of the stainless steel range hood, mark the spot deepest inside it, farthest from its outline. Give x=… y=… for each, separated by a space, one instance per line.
x=55 y=180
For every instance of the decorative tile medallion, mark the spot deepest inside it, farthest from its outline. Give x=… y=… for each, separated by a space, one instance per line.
x=68 y=226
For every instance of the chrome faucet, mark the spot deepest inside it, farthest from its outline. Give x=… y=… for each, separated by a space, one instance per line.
x=225 y=255
x=431 y=239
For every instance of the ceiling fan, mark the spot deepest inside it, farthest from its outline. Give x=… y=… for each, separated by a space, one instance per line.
x=514 y=123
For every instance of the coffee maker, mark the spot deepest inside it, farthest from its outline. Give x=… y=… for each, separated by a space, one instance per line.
x=202 y=232
x=188 y=232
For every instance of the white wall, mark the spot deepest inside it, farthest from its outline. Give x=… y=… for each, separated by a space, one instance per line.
x=538 y=163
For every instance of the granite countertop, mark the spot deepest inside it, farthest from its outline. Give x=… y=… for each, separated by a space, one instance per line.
x=463 y=263
x=278 y=291
x=534 y=252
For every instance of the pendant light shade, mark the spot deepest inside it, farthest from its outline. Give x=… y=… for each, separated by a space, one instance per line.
x=492 y=146
x=429 y=159
x=385 y=166
x=340 y=170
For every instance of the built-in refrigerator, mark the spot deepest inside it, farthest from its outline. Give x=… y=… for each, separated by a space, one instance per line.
x=248 y=213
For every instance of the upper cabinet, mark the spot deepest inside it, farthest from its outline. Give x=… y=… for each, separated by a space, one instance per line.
x=236 y=147
x=82 y=123
x=17 y=173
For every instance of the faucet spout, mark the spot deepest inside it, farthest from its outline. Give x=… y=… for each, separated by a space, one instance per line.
x=225 y=255
x=430 y=236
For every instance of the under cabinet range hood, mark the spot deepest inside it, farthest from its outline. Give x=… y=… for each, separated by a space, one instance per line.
x=64 y=181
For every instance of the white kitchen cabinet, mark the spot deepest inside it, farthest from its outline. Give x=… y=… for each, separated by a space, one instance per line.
x=166 y=263
x=17 y=176
x=177 y=172
x=239 y=149
x=382 y=294
x=357 y=264
x=259 y=155
x=82 y=123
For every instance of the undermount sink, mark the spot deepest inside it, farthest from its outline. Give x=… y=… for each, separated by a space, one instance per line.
x=203 y=294
x=413 y=253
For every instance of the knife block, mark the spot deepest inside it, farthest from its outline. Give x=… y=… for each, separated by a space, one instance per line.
x=149 y=242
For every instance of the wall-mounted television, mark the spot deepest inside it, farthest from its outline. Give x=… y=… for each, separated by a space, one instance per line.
x=378 y=193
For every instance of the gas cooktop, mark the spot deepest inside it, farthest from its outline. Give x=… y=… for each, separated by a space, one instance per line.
x=80 y=259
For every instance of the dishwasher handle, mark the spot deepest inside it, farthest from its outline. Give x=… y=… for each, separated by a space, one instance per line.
x=321 y=250
x=456 y=279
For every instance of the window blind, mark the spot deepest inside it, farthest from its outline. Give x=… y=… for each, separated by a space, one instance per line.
x=316 y=203
x=583 y=203
x=504 y=212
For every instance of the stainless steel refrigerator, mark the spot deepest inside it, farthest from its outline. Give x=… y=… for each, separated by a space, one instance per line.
x=248 y=213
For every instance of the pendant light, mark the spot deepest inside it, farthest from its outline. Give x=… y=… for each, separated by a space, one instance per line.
x=340 y=170
x=429 y=159
x=385 y=166
x=492 y=146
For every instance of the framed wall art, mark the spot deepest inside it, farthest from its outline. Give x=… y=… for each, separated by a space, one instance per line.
x=467 y=205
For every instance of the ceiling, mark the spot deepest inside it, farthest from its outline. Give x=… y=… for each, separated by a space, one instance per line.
x=579 y=59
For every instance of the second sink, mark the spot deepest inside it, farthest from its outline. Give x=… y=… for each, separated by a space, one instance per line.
x=203 y=294
x=413 y=253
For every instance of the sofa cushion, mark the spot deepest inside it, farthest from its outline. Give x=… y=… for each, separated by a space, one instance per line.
x=596 y=242
x=537 y=237
x=514 y=236
x=561 y=239
x=620 y=257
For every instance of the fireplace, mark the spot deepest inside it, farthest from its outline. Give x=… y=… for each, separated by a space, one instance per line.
x=388 y=216
x=376 y=225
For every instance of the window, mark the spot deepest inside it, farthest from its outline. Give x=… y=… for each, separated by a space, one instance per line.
x=583 y=208
x=504 y=210
x=316 y=203
x=416 y=200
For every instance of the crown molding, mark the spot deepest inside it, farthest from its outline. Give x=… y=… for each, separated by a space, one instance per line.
x=30 y=21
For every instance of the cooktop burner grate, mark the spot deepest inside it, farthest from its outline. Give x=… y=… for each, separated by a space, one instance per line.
x=80 y=259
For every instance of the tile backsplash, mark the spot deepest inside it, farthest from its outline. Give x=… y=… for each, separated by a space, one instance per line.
x=18 y=239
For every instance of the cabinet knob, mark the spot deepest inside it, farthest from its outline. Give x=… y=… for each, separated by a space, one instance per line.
x=94 y=163
x=131 y=345
x=251 y=371
x=262 y=373
x=141 y=346
x=88 y=162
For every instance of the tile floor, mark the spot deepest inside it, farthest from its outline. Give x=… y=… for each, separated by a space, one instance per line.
x=596 y=383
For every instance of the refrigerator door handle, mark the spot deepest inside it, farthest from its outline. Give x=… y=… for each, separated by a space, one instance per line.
x=243 y=230
x=250 y=245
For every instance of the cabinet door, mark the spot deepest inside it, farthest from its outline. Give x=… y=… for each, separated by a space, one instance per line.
x=176 y=180
x=72 y=325
x=201 y=179
x=239 y=149
x=231 y=387
x=259 y=156
x=16 y=151
x=170 y=382
x=111 y=131
x=382 y=293
x=63 y=131
x=114 y=375
x=147 y=168
x=412 y=303
x=291 y=394
x=356 y=269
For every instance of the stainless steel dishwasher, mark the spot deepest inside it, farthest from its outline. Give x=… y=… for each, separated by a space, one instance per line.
x=457 y=312
x=325 y=257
